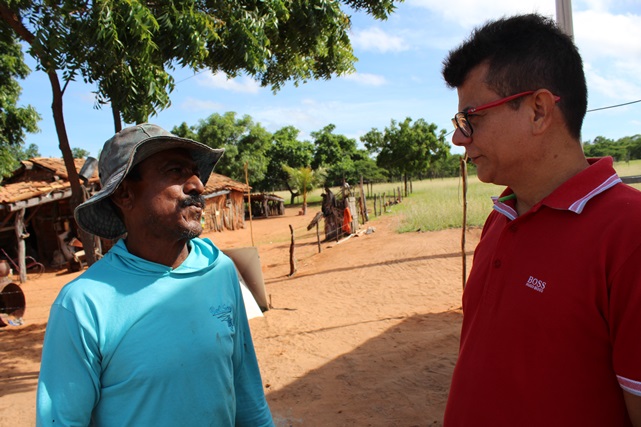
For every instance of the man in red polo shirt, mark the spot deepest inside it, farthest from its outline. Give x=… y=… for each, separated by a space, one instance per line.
x=552 y=308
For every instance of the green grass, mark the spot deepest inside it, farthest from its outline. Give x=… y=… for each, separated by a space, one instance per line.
x=438 y=204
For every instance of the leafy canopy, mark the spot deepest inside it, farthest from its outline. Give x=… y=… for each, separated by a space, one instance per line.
x=15 y=121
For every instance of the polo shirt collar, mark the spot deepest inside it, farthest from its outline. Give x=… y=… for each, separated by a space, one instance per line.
x=573 y=194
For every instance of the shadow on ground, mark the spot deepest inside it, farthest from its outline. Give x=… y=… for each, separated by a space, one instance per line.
x=399 y=378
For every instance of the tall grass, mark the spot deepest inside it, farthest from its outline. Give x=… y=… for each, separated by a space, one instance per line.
x=437 y=204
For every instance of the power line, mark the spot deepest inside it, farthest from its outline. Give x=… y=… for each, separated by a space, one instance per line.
x=614 y=106
x=194 y=75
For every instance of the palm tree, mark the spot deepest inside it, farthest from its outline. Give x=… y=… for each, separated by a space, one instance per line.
x=304 y=180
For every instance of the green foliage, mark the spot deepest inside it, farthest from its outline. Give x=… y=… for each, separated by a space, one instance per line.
x=338 y=154
x=623 y=149
x=12 y=155
x=15 y=121
x=79 y=153
x=305 y=180
x=285 y=150
x=244 y=141
x=128 y=48
x=408 y=149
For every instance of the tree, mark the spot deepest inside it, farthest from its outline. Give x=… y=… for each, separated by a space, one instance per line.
x=407 y=148
x=304 y=180
x=620 y=150
x=15 y=121
x=12 y=155
x=79 y=153
x=336 y=153
x=369 y=170
x=634 y=145
x=244 y=141
x=287 y=150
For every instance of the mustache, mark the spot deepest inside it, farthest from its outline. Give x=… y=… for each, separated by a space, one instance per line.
x=193 y=200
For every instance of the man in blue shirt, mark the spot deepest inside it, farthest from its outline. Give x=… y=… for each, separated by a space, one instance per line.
x=155 y=333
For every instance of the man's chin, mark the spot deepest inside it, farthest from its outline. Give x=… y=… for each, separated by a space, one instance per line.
x=193 y=231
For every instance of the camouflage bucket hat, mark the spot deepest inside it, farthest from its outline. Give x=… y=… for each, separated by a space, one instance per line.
x=120 y=153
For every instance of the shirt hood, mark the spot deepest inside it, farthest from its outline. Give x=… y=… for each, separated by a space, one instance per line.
x=203 y=255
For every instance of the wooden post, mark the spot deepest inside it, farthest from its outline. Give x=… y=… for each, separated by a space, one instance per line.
x=292 y=258
x=364 y=212
x=375 y=213
x=249 y=203
x=318 y=238
x=22 y=250
x=464 y=174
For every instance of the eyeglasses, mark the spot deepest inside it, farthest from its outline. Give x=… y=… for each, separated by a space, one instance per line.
x=461 y=119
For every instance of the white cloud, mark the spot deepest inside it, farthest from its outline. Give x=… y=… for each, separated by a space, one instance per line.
x=87 y=97
x=471 y=13
x=365 y=79
x=221 y=81
x=376 y=40
x=198 y=105
x=604 y=34
x=611 y=48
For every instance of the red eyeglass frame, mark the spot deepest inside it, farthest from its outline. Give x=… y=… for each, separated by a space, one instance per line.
x=492 y=104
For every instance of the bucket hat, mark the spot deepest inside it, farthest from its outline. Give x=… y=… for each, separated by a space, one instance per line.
x=120 y=153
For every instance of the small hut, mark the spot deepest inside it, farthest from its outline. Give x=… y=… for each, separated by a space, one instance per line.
x=265 y=205
x=224 y=204
x=35 y=207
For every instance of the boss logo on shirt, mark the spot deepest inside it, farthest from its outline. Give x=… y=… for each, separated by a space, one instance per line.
x=223 y=312
x=536 y=284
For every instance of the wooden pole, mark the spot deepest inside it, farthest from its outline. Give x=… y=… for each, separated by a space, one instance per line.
x=375 y=197
x=22 y=250
x=318 y=237
x=464 y=175
x=292 y=258
x=249 y=203
x=365 y=214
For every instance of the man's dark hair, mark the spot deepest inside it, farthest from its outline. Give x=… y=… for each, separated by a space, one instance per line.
x=525 y=52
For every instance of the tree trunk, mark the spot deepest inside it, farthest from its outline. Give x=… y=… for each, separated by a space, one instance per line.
x=305 y=202
x=116 y=115
x=78 y=193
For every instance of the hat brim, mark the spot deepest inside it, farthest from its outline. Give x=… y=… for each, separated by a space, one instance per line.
x=97 y=215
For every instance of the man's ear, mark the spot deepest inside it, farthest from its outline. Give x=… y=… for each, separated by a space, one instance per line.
x=543 y=105
x=123 y=196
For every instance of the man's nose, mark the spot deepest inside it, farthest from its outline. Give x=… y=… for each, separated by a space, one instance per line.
x=194 y=184
x=459 y=139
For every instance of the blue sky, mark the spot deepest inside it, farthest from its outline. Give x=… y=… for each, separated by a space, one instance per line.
x=397 y=76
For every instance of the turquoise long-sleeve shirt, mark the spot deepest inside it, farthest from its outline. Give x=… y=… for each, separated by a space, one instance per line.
x=135 y=343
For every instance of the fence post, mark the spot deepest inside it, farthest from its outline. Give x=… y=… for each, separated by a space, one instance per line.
x=364 y=205
x=318 y=238
x=375 y=197
x=292 y=258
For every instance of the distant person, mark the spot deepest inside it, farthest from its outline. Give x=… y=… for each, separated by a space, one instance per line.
x=155 y=333
x=552 y=307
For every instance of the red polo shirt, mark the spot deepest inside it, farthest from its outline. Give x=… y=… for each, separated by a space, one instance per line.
x=552 y=310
